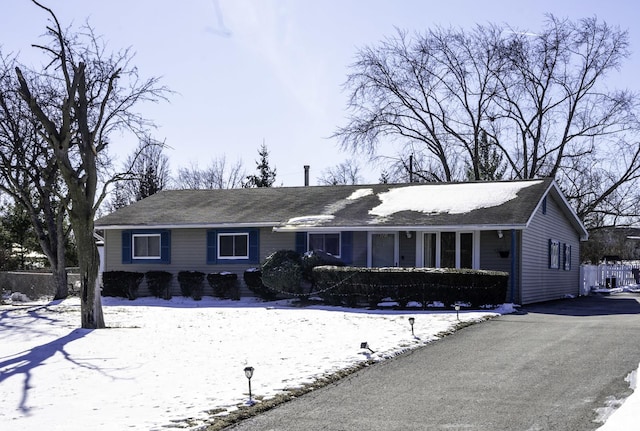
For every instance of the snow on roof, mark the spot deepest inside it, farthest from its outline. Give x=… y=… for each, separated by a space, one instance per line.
x=448 y=198
x=360 y=193
x=310 y=220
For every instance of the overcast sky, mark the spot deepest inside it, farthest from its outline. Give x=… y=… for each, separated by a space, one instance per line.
x=248 y=71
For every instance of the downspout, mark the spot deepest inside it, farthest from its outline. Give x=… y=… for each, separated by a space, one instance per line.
x=513 y=265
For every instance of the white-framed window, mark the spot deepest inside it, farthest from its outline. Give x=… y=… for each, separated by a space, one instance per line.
x=327 y=242
x=567 y=257
x=554 y=254
x=449 y=249
x=146 y=246
x=233 y=245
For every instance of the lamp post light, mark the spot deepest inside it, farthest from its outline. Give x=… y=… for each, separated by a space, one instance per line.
x=457 y=307
x=248 y=371
x=412 y=320
x=365 y=345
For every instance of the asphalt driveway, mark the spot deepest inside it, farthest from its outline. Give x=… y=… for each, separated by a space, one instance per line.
x=546 y=368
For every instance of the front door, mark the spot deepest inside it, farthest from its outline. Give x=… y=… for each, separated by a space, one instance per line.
x=383 y=250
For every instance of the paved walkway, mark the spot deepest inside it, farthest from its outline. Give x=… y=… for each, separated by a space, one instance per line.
x=547 y=368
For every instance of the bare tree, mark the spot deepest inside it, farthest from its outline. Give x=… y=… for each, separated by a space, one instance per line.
x=347 y=172
x=30 y=175
x=82 y=96
x=540 y=100
x=218 y=175
x=148 y=170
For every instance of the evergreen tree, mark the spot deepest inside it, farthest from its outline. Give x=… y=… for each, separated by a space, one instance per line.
x=489 y=163
x=266 y=176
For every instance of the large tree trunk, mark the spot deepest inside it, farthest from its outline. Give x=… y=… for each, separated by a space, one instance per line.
x=89 y=260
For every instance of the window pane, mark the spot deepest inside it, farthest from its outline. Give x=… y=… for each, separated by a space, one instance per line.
x=146 y=246
x=448 y=250
x=241 y=246
x=332 y=244
x=327 y=242
x=466 y=250
x=139 y=246
x=226 y=245
x=430 y=250
x=316 y=242
x=153 y=246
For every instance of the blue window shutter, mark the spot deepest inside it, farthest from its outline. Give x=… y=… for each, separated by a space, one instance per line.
x=211 y=247
x=254 y=246
x=165 y=246
x=301 y=242
x=346 y=253
x=126 y=246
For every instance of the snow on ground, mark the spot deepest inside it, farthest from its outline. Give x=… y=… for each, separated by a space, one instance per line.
x=162 y=362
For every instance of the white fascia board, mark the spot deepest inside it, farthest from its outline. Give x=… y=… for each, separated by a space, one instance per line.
x=375 y=228
x=188 y=226
x=568 y=209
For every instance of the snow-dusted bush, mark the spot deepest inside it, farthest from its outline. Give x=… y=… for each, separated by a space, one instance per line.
x=19 y=297
x=122 y=284
x=314 y=258
x=253 y=280
x=282 y=271
x=224 y=285
x=191 y=284
x=159 y=283
x=405 y=285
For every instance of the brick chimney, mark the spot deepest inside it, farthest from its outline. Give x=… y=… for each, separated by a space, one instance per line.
x=306 y=175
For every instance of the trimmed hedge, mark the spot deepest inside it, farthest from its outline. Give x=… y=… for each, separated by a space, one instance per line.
x=350 y=284
x=224 y=285
x=253 y=280
x=282 y=271
x=123 y=284
x=159 y=283
x=191 y=284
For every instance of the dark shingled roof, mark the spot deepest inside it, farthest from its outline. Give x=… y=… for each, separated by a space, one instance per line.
x=276 y=207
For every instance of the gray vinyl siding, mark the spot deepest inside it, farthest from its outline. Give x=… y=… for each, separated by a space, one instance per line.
x=189 y=253
x=490 y=246
x=539 y=282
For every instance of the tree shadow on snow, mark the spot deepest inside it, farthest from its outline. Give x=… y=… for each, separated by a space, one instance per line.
x=17 y=318
x=25 y=362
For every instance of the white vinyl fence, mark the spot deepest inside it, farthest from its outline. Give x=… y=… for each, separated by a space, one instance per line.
x=607 y=276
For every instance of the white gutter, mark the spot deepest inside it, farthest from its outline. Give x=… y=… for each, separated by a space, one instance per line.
x=378 y=228
x=186 y=226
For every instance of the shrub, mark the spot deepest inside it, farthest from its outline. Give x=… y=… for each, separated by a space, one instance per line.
x=191 y=284
x=224 y=284
x=412 y=284
x=159 y=283
x=282 y=271
x=123 y=284
x=253 y=280
x=314 y=258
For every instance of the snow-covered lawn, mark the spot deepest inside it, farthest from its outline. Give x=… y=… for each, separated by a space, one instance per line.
x=164 y=363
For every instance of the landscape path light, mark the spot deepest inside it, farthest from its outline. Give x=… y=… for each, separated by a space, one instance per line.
x=248 y=372
x=457 y=307
x=365 y=345
x=412 y=320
